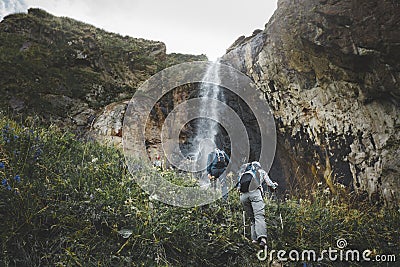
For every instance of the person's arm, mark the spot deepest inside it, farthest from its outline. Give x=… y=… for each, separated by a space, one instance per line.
x=227 y=159
x=268 y=181
x=238 y=181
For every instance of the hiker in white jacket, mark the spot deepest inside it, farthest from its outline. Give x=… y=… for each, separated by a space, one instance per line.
x=250 y=179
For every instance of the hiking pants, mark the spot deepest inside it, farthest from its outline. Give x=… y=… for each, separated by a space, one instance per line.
x=253 y=205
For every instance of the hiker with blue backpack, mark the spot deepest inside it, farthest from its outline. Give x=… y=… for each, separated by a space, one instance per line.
x=250 y=179
x=217 y=162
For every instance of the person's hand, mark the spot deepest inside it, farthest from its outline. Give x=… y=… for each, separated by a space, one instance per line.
x=274 y=185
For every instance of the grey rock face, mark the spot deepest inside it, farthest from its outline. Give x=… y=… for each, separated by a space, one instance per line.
x=107 y=126
x=330 y=71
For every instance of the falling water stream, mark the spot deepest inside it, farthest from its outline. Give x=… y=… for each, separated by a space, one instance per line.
x=204 y=140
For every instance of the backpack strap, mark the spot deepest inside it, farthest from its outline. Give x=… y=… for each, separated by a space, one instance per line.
x=219 y=154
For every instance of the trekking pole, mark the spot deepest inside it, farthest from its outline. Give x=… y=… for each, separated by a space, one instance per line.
x=279 y=207
x=244 y=224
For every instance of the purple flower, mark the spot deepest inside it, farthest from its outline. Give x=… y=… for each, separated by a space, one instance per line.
x=2 y=165
x=9 y=188
x=17 y=178
x=38 y=152
x=4 y=182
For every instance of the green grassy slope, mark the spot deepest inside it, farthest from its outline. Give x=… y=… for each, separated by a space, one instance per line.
x=64 y=202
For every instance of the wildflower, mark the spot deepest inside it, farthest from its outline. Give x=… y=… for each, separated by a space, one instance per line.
x=129 y=201
x=153 y=197
x=4 y=182
x=38 y=152
x=9 y=188
x=17 y=178
x=327 y=191
x=2 y=165
x=16 y=136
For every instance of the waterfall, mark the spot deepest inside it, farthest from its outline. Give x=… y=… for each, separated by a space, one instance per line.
x=204 y=140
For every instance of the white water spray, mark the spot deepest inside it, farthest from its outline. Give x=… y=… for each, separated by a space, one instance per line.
x=207 y=129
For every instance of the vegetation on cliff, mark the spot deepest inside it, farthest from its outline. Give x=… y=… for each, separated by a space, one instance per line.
x=57 y=67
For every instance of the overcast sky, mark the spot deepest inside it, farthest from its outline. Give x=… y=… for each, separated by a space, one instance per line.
x=185 y=26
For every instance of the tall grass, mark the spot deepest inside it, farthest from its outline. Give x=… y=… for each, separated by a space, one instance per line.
x=66 y=202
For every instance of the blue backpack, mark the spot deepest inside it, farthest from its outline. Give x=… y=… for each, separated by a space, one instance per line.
x=219 y=160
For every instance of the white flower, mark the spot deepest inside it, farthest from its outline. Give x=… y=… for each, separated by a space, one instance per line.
x=153 y=197
x=129 y=201
x=327 y=191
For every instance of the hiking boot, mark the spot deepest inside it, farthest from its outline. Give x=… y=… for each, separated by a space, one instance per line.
x=263 y=243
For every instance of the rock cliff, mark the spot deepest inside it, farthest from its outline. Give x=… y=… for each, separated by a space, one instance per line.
x=329 y=69
x=66 y=72
x=330 y=72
